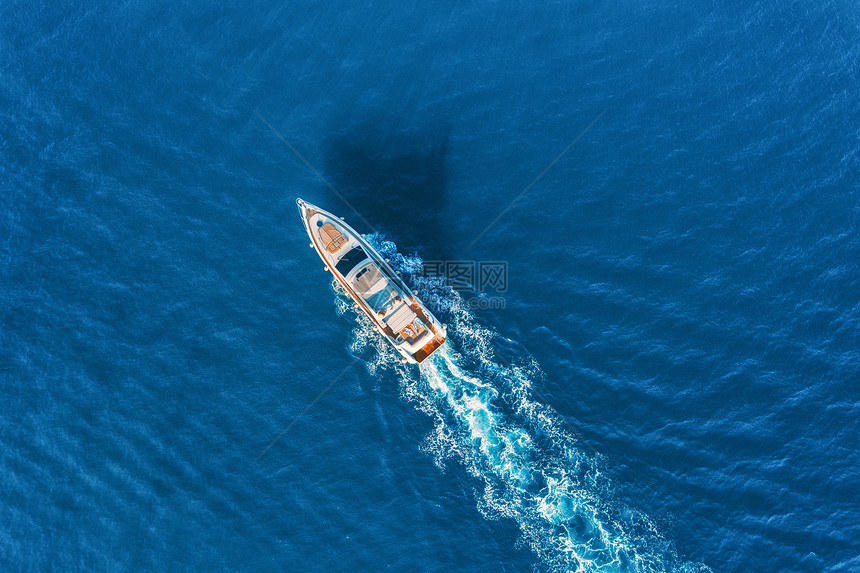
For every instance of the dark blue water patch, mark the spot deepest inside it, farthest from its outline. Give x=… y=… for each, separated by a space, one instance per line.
x=398 y=179
x=684 y=275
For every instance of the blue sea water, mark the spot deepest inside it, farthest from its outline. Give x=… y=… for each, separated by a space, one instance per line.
x=671 y=382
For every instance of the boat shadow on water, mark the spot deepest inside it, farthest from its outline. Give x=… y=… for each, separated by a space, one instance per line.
x=396 y=180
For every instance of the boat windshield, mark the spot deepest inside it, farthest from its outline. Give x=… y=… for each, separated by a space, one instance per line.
x=350 y=260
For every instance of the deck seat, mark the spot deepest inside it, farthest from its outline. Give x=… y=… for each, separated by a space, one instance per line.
x=412 y=331
x=331 y=237
x=401 y=317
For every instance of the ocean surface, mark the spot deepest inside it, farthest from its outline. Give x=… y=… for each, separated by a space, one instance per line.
x=665 y=376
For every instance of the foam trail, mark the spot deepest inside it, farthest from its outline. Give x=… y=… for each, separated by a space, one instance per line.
x=532 y=469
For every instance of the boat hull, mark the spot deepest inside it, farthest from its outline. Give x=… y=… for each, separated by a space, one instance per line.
x=373 y=285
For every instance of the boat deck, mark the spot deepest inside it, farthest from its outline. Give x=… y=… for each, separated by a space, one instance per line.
x=375 y=287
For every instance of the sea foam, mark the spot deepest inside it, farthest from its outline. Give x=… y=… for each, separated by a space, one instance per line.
x=528 y=462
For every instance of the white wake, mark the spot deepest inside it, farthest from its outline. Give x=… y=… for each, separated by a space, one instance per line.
x=528 y=464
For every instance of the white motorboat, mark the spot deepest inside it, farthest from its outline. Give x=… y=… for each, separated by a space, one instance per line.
x=375 y=287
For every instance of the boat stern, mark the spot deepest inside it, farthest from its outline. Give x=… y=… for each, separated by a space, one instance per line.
x=428 y=349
